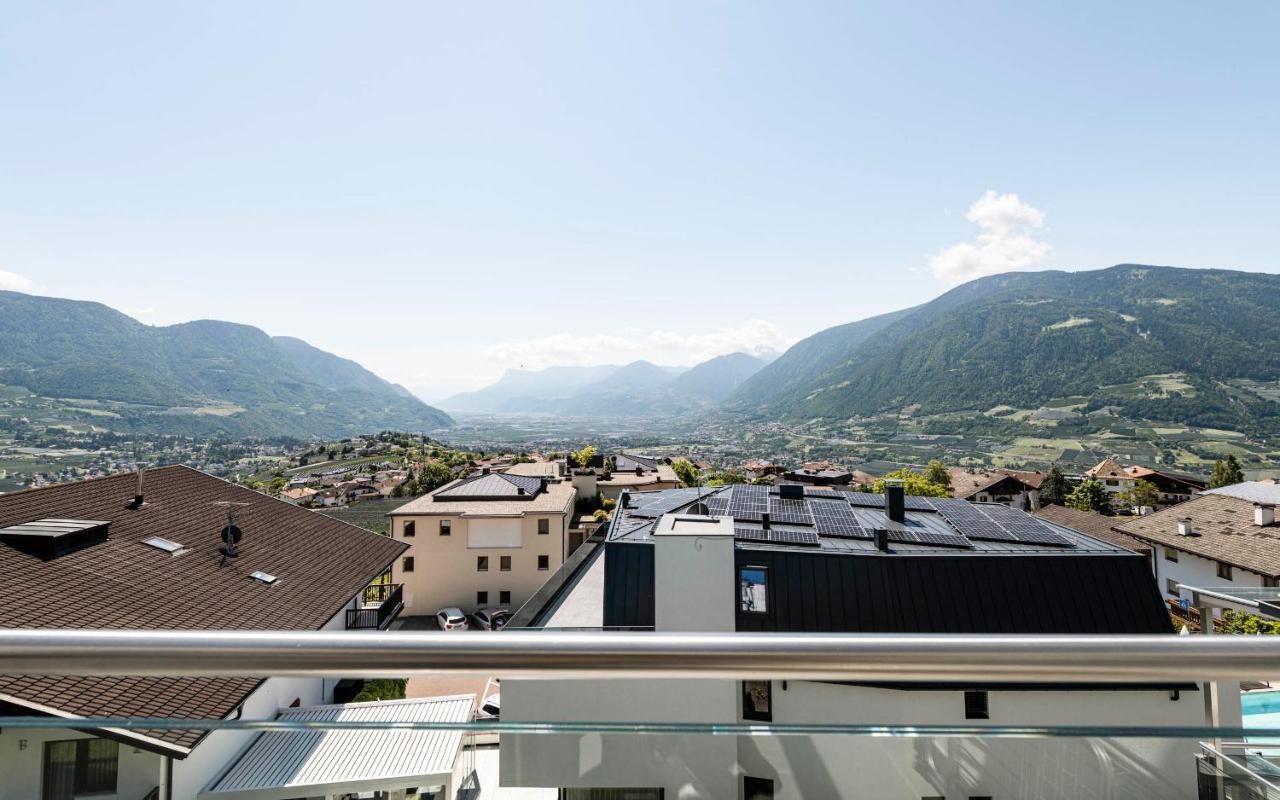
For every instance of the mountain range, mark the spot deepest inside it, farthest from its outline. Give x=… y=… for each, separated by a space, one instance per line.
x=196 y=377
x=640 y=387
x=1026 y=338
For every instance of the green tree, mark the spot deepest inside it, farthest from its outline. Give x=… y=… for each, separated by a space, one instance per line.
x=1054 y=489
x=582 y=458
x=726 y=477
x=686 y=472
x=382 y=689
x=936 y=472
x=1226 y=472
x=433 y=475
x=1143 y=493
x=913 y=483
x=1089 y=496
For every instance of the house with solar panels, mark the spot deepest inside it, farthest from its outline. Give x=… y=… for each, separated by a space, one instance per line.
x=803 y=560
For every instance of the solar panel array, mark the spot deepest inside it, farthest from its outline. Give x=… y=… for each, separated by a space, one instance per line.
x=994 y=523
x=933 y=538
x=791 y=512
x=835 y=518
x=805 y=522
x=869 y=500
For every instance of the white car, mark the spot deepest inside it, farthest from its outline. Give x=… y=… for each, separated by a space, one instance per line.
x=491 y=708
x=451 y=619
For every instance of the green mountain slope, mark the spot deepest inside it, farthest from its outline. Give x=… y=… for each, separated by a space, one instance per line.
x=197 y=377
x=716 y=378
x=1025 y=338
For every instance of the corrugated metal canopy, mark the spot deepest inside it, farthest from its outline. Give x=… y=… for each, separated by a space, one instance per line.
x=307 y=763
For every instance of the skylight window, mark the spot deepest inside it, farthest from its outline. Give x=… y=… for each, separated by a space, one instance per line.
x=167 y=545
x=259 y=575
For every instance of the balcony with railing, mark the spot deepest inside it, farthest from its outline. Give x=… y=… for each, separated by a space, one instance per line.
x=379 y=604
x=588 y=714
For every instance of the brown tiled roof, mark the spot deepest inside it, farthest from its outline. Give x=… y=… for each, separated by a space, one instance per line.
x=1224 y=532
x=965 y=483
x=1099 y=526
x=321 y=564
x=1107 y=468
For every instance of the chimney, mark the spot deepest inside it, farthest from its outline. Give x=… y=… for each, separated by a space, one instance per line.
x=895 y=504
x=624 y=500
x=137 y=501
x=764 y=520
x=1184 y=527
x=520 y=490
x=882 y=540
x=542 y=484
x=639 y=471
x=484 y=470
x=1263 y=515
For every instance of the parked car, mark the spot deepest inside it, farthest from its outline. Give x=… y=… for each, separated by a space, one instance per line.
x=490 y=618
x=451 y=619
x=491 y=708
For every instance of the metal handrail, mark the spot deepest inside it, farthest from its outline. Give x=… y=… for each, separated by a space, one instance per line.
x=552 y=654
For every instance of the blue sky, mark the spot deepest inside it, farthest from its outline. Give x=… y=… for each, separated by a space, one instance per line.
x=443 y=191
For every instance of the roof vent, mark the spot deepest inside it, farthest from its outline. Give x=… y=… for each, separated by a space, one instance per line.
x=1263 y=515
x=520 y=490
x=137 y=501
x=47 y=539
x=1185 y=528
x=168 y=545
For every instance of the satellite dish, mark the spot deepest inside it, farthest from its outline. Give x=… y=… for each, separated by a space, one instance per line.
x=230 y=538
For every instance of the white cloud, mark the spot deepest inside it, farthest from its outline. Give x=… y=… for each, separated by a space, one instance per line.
x=1005 y=241
x=666 y=347
x=14 y=282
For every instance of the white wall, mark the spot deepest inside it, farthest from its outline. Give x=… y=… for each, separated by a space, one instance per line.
x=1194 y=570
x=705 y=765
x=1052 y=769
x=21 y=768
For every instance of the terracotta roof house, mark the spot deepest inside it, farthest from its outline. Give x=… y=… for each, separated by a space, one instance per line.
x=996 y=486
x=147 y=551
x=1174 y=487
x=1214 y=539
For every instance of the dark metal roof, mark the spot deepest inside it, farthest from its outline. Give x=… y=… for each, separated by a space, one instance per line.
x=492 y=486
x=844 y=522
x=627 y=462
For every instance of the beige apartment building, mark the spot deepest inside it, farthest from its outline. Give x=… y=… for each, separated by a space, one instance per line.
x=491 y=539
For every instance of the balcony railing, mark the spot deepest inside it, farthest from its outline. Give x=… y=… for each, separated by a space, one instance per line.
x=380 y=603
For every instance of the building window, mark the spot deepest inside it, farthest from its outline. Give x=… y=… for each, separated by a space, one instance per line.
x=1224 y=571
x=504 y=597
x=544 y=526
x=1170 y=554
x=753 y=589
x=446 y=527
x=482 y=598
x=408 y=563
x=482 y=563
x=1112 y=483
x=80 y=766
x=504 y=563
x=756 y=788
x=975 y=705
x=757 y=701
x=1171 y=586
x=409 y=526
x=544 y=562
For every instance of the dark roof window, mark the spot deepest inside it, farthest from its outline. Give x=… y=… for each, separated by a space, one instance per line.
x=49 y=538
